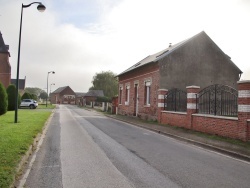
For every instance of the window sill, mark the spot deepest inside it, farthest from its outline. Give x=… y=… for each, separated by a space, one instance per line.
x=147 y=105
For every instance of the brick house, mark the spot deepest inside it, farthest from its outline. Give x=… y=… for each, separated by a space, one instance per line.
x=63 y=95
x=5 y=68
x=21 y=85
x=79 y=98
x=91 y=96
x=195 y=61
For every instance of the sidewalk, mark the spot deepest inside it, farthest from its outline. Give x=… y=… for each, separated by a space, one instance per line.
x=203 y=140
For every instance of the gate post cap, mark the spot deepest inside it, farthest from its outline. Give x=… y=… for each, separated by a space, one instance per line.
x=243 y=81
x=162 y=89
x=193 y=87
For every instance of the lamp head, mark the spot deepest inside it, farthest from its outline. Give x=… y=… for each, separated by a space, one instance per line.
x=41 y=7
x=53 y=72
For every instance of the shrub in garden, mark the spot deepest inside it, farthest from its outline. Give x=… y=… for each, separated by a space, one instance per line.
x=11 y=91
x=3 y=100
x=26 y=96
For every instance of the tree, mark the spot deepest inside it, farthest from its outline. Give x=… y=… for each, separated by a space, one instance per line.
x=107 y=82
x=103 y=99
x=33 y=96
x=43 y=95
x=26 y=96
x=33 y=90
x=11 y=91
x=3 y=100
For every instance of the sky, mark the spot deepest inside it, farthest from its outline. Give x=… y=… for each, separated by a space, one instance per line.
x=79 y=38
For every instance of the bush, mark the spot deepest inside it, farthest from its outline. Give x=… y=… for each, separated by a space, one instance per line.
x=33 y=96
x=3 y=100
x=11 y=91
x=103 y=99
x=26 y=96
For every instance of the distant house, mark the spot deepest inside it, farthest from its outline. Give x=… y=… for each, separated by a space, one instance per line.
x=91 y=96
x=5 y=68
x=63 y=95
x=195 y=61
x=21 y=85
x=79 y=98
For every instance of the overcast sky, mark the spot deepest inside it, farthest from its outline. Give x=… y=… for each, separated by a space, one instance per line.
x=78 y=38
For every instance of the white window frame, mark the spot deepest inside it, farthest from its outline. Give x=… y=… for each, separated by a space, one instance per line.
x=147 y=94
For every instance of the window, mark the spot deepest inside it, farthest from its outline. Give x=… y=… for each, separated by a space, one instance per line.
x=120 y=95
x=127 y=95
x=147 y=93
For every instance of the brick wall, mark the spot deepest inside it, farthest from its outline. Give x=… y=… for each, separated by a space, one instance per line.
x=223 y=126
x=175 y=119
x=148 y=73
x=5 y=69
x=232 y=127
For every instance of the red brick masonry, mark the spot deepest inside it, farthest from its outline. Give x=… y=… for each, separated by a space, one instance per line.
x=232 y=127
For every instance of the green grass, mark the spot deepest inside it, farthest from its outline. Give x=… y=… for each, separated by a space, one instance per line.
x=15 y=139
x=43 y=106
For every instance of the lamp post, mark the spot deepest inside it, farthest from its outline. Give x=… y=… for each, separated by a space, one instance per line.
x=40 y=8
x=53 y=72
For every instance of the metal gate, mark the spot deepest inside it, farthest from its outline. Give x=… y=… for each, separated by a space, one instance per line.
x=176 y=100
x=218 y=100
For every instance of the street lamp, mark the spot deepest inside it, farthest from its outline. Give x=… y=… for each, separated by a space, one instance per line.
x=40 y=8
x=50 y=86
x=53 y=72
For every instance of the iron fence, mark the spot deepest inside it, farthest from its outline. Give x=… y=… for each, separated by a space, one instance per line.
x=176 y=100
x=218 y=100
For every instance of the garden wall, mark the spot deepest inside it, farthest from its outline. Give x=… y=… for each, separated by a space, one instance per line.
x=232 y=127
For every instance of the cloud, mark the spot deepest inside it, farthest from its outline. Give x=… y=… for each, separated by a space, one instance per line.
x=77 y=38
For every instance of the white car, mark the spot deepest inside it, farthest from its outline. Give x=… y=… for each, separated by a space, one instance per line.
x=30 y=103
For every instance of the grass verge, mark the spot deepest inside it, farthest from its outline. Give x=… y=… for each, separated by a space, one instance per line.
x=15 y=139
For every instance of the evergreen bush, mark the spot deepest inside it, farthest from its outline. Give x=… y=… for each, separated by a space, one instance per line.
x=3 y=100
x=11 y=91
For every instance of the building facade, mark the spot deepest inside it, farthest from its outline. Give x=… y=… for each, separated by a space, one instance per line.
x=63 y=95
x=5 y=68
x=195 y=61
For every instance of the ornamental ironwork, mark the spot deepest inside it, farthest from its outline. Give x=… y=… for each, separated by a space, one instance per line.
x=218 y=100
x=176 y=100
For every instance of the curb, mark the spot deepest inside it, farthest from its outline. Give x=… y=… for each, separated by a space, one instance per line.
x=190 y=141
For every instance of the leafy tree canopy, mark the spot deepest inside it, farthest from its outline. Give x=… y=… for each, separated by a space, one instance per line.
x=43 y=95
x=33 y=90
x=107 y=82
x=103 y=99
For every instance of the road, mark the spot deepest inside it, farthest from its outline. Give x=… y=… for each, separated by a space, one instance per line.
x=83 y=148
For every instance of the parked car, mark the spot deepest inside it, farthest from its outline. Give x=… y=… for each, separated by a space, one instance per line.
x=29 y=103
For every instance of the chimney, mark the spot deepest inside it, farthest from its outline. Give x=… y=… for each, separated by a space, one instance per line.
x=170 y=44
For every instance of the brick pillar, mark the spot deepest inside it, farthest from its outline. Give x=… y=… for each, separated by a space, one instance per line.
x=191 y=103
x=243 y=108
x=161 y=96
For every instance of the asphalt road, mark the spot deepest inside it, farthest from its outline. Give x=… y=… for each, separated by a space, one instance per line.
x=85 y=149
